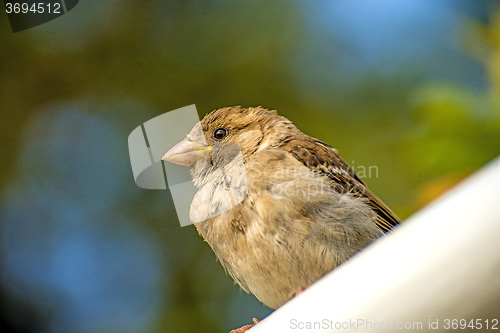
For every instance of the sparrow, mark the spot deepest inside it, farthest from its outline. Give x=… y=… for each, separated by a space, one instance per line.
x=279 y=208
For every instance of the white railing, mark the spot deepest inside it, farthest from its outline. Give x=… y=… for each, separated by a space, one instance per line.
x=436 y=272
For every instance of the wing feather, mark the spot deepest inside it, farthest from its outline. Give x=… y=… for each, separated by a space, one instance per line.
x=322 y=158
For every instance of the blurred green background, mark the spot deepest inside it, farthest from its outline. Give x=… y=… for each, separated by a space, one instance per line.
x=410 y=87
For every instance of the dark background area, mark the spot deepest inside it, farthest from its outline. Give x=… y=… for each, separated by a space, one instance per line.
x=407 y=92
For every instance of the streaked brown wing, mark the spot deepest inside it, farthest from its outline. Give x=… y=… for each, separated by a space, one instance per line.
x=320 y=157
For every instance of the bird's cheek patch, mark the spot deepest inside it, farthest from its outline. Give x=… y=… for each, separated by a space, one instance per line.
x=250 y=138
x=225 y=188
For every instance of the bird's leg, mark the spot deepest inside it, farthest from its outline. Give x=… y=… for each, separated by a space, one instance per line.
x=245 y=328
x=296 y=291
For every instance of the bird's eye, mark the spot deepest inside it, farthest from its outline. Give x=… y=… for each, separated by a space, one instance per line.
x=220 y=133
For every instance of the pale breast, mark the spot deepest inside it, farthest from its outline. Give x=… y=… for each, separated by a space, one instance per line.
x=290 y=230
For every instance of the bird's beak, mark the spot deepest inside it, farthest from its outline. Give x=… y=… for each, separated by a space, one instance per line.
x=186 y=152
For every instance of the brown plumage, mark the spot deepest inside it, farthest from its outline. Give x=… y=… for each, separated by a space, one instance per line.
x=299 y=209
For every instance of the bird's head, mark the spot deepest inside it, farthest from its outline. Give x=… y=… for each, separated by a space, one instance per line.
x=226 y=133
